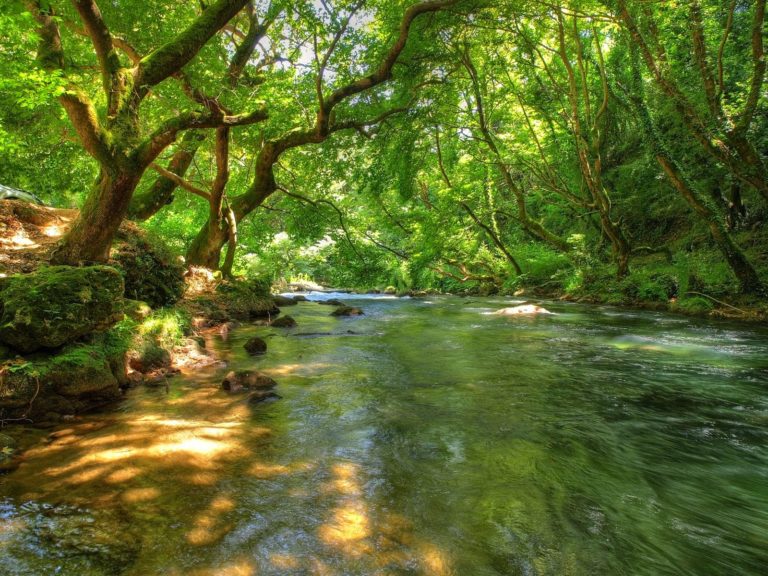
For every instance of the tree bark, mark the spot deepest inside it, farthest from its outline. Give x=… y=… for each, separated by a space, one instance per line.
x=147 y=203
x=90 y=238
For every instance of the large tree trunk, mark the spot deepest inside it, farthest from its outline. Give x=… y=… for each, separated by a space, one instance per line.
x=205 y=249
x=90 y=238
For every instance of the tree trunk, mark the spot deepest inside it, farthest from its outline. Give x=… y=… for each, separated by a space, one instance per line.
x=90 y=238
x=205 y=249
x=749 y=281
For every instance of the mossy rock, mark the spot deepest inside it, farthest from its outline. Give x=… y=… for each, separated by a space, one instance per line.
x=280 y=300
x=59 y=304
x=150 y=356
x=255 y=346
x=75 y=379
x=283 y=322
x=137 y=310
x=151 y=272
x=347 y=311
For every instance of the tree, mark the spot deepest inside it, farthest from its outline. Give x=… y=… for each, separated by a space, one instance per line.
x=114 y=133
x=206 y=248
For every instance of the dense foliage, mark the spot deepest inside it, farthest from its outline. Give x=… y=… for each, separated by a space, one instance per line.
x=611 y=149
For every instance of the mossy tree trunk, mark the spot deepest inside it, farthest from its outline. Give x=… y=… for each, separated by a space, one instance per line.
x=115 y=138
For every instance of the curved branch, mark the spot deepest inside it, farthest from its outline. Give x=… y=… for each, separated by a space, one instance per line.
x=384 y=71
x=180 y=182
x=173 y=56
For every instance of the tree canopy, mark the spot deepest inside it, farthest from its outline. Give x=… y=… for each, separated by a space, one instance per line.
x=418 y=144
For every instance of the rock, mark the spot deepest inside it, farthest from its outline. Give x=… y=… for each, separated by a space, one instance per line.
x=299 y=298
x=94 y=541
x=137 y=310
x=283 y=301
x=347 y=311
x=226 y=328
x=151 y=271
x=59 y=304
x=283 y=322
x=255 y=346
x=78 y=378
x=151 y=356
x=235 y=381
x=260 y=396
x=523 y=310
x=331 y=302
x=390 y=290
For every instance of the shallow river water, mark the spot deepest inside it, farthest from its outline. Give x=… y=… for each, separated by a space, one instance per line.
x=426 y=437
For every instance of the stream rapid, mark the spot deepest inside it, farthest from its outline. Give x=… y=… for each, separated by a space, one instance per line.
x=426 y=437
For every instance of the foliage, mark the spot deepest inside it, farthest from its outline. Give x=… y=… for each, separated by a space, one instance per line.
x=513 y=145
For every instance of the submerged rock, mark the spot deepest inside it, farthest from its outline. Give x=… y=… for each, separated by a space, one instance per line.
x=235 y=381
x=331 y=302
x=300 y=298
x=255 y=346
x=260 y=396
x=523 y=310
x=98 y=541
x=59 y=304
x=283 y=300
x=283 y=322
x=347 y=311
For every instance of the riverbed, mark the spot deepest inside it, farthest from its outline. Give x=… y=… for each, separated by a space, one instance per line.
x=428 y=436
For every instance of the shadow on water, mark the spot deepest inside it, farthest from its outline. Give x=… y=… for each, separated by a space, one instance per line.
x=427 y=437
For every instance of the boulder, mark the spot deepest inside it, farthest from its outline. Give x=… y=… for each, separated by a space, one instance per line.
x=151 y=271
x=58 y=304
x=347 y=311
x=283 y=322
x=151 y=356
x=283 y=300
x=235 y=381
x=255 y=346
x=77 y=378
x=299 y=298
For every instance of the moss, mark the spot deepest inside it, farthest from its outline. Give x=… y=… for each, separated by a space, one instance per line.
x=151 y=272
x=239 y=299
x=58 y=304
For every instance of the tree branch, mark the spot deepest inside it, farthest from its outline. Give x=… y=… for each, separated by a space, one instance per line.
x=173 y=56
x=180 y=182
x=384 y=71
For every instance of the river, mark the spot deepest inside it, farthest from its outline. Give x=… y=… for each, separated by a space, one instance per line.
x=426 y=437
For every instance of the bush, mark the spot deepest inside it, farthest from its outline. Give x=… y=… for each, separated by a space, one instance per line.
x=694 y=305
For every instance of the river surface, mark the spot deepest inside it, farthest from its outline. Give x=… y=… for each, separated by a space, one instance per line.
x=426 y=437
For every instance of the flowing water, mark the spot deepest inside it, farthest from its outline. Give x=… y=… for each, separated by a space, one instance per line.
x=426 y=437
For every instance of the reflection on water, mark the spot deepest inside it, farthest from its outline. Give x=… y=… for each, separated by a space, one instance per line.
x=426 y=437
